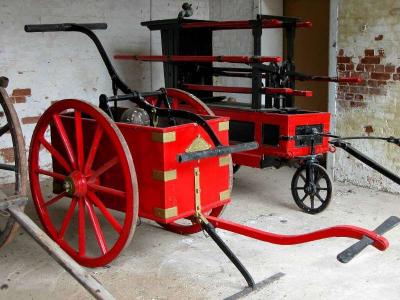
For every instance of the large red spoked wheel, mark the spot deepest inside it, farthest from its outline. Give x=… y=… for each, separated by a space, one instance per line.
x=86 y=149
x=183 y=100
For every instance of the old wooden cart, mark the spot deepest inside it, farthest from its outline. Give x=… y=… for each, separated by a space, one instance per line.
x=176 y=162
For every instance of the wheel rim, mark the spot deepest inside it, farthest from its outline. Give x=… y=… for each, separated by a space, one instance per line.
x=315 y=196
x=180 y=99
x=8 y=226
x=80 y=176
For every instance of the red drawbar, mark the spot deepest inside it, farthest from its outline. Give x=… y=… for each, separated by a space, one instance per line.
x=348 y=231
x=202 y=58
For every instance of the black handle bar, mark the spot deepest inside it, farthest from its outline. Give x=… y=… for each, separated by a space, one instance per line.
x=63 y=27
x=217 y=151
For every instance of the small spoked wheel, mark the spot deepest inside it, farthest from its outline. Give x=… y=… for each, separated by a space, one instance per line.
x=183 y=100
x=312 y=188
x=11 y=133
x=91 y=208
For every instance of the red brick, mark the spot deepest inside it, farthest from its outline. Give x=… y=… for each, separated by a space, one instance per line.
x=30 y=120
x=382 y=82
x=7 y=154
x=18 y=99
x=363 y=90
x=358 y=97
x=380 y=76
x=371 y=60
x=354 y=89
x=373 y=83
x=369 y=52
x=344 y=74
x=21 y=92
x=379 y=37
x=349 y=67
x=343 y=88
x=343 y=60
x=389 y=68
x=396 y=76
x=381 y=52
x=379 y=68
x=360 y=67
x=341 y=67
x=341 y=52
x=398 y=70
x=377 y=91
x=369 y=68
x=362 y=75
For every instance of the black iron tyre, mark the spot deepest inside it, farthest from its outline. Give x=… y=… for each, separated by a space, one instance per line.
x=236 y=168
x=315 y=197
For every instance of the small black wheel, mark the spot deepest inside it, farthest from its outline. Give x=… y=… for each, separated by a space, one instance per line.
x=312 y=188
x=235 y=168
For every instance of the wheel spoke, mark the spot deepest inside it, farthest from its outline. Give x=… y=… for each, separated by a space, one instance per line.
x=4 y=129
x=93 y=148
x=65 y=139
x=312 y=201
x=79 y=138
x=107 y=190
x=300 y=187
x=81 y=227
x=97 y=228
x=67 y=219
x=57 y=176
x=322 y=189
x=320 y=198
x=304 y=198
x=109 y=217
x=55 y=154
x=106 y=166
x=55 y=199
x=302 y=176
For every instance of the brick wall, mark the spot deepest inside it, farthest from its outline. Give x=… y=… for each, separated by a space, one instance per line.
x=45 y=67
x=368 y=39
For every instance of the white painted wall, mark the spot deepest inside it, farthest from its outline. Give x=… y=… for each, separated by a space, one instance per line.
x=67 y=65
x=240 y=42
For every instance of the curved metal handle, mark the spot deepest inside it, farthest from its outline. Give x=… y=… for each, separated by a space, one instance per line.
x=62 y=27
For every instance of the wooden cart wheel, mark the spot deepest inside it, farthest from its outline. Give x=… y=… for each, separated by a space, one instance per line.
x=11 y=127
x=313 y=196
x=180 y=99
x=90 y=148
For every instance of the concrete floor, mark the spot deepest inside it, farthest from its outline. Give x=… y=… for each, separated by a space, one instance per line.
x=162 y=265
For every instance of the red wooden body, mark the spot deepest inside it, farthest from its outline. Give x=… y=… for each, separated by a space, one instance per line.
x=287 y=124
x=166 y=187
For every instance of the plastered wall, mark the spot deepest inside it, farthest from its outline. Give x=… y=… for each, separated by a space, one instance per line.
x=368 y=47
x=45 y=67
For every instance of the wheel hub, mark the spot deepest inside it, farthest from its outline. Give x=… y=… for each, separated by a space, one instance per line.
x=75 y=184
x=310 y=189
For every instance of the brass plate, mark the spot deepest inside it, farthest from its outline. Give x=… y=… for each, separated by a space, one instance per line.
x=224 y=161
x=197 y=189
x=161 y=137
x=198 y=144
x=223 y=126
x=224 y=195
x=164 y=175
x=166 y=213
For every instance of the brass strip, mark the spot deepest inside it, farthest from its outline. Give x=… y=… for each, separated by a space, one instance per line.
x=223 y=126
x=224 y=161
x=162 y=137
x=197 y=190
x=166 y=213
x=198 y=144
x=224 y=195
x=164 y=175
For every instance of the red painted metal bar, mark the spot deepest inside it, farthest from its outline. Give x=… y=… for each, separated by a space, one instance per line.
x=334 y=79
x=205 y=58
x=355 y=232
x=245 y=90
x=246 y=24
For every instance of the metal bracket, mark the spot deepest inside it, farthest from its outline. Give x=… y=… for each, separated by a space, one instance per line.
x=13 y=201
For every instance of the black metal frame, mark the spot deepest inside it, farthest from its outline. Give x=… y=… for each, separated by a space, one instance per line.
x=138 y=98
